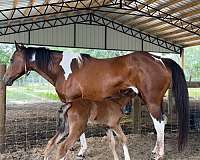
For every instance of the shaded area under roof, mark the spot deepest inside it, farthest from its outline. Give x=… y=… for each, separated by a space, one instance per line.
x=174 y=21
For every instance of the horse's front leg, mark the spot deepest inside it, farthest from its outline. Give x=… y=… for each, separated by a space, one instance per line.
x=158 y=151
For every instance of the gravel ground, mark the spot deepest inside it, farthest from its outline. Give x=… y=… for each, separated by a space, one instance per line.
x=29 y=126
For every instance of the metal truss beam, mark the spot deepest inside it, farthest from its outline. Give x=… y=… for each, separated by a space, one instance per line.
x=54 y=8
x=79 y=5
x=162 y=16
x=91 y=19
x=135 y=33
x=42 y=24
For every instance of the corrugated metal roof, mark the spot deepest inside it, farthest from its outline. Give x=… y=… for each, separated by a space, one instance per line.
x=177 y=21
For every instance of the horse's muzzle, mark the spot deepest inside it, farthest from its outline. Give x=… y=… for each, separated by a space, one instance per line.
x=7 y=81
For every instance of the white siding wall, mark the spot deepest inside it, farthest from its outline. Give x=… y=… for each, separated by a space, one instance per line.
x=118 y=40
x=87 y=36
x=19 y=37
x=58 y=36
x=90 y=36
x=153 y=48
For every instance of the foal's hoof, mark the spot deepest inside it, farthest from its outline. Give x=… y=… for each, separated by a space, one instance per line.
x=80 y=157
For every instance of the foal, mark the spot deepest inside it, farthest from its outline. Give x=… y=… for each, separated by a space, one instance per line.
x=73 y=119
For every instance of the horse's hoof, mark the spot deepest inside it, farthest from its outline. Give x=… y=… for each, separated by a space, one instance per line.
x=156 y=157
x=72 y=149
x=80 y=157
x=153 y=153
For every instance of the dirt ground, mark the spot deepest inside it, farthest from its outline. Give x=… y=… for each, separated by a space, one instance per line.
x=30 y=126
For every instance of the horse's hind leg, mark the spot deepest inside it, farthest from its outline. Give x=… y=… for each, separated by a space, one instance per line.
x=159 y=125
x=112 y=143
x=120 y=134
x=83 y=147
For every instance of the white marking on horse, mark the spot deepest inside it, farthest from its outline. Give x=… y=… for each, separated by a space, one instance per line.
x=126 y=153
x=158 y=59
x=160 y=128
x=134 y=89
x=66 y=61
x=83 y=145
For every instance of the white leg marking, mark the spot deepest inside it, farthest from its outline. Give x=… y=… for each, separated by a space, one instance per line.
x=126 y=153
x=83 y=145
x=134 y=89
x=160 y=127
x=66 y=61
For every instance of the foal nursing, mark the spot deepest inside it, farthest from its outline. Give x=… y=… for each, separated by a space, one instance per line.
x=73 y=119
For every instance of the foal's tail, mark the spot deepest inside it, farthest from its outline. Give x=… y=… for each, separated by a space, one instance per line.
x=62 y=124
x=180 y=92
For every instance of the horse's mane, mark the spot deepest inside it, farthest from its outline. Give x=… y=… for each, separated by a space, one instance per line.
x=42 y=56
x=85 y=58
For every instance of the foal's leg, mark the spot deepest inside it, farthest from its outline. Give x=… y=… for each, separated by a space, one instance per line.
x=160 y=127
x=83 y=147
x=74 y=133
x=112 y=143
x=52 y=144
x=120 y=134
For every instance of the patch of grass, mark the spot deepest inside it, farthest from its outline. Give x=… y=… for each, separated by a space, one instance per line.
x=194 y=92
x=50 y=96
x=31 y=93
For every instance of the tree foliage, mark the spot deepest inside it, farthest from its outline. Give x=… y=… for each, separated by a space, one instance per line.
x=192 y=57
x=5 y=51
x=192 y=63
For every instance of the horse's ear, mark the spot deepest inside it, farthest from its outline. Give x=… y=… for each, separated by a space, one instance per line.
x=22 y=46
x=17 y=46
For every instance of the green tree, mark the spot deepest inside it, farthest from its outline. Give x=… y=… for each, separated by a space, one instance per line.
x=5 y=52
x=192 y=63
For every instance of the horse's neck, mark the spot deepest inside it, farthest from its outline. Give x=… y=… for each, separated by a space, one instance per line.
x=52 y=74
x=46 y=76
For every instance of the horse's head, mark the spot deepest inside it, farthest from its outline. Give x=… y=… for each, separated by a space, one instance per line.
x=17 y=66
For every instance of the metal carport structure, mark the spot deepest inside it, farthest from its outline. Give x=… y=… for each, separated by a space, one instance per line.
x=151 y=25
x=148 y=25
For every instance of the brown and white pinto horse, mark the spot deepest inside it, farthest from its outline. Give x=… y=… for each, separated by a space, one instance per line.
x=81 y=76
x=73 y=119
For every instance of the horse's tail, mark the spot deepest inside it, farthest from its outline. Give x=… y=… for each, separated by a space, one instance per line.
x=62 y=123
x=180 y=92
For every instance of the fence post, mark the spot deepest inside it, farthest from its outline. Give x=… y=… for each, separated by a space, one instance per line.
x=2 y=108
x=136 y=114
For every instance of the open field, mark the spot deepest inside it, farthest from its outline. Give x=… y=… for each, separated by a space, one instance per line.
x=31 y=93
x=46 y=92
